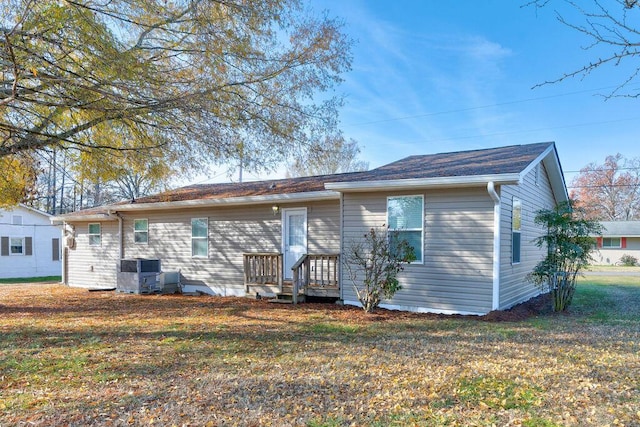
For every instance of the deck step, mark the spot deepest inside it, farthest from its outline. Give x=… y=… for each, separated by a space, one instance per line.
x=286 y=298
x=281 y=301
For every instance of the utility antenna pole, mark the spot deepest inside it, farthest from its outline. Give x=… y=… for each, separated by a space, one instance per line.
x=241 y=156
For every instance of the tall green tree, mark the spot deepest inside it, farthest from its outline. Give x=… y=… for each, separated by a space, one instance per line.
x=189 y=79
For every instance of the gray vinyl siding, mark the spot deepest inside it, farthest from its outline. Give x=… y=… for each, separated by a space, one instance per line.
x=456 y=275
x=90 y=266
x=514 y=288
x=232 y=232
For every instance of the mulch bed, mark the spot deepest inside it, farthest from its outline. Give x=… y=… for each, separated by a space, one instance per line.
x=536 y=306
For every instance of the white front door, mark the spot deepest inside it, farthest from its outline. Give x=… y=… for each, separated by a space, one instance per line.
x=294 y=237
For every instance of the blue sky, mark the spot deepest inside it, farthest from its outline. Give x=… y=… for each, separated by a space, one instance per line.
x=432 y=76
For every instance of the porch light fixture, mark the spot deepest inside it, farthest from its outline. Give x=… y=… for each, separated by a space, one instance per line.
x=275 y=209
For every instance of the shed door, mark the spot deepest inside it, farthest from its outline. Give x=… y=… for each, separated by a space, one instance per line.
x=294 y=237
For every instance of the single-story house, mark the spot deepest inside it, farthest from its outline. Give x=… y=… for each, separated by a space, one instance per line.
x=30 y=246
x=618 y=238
x=469 y=216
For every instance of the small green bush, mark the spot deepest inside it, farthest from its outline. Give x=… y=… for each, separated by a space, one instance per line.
x=569 y=247
x=628 y=260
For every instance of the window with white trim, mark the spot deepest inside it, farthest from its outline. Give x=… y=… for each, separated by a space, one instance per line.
x=95 y=234
x=405 y=218
x=199 y=237
x=141 y=230
x=611 y=242
x=16 y=246
x=516 y=231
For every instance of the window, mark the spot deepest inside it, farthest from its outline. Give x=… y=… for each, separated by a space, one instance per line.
x=611 y=242
x=95 y=237
x=16 y=220
x=516 y=225
x=537 y=174
x=200 y=237
x=55 y=249
x=4 y=246
x=405 y=218
x=16 y=246
x=141 y=230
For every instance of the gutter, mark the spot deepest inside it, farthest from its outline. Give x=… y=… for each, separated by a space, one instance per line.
x=439 y=182
x=496 y=245
x=308 y=196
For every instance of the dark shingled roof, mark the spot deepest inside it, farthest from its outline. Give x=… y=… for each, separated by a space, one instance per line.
x=244 y=189
x=491 y=161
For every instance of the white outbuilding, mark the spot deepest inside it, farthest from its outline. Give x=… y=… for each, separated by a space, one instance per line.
x=30 y=246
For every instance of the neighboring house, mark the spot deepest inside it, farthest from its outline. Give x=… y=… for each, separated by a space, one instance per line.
x=618 y=238
x=30 y=246
x=469 y=216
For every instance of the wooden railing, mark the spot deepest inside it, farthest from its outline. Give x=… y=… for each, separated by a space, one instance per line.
x=263 y=269
x=314 y=271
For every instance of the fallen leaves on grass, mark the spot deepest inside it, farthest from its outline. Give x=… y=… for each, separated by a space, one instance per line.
x=70 y=357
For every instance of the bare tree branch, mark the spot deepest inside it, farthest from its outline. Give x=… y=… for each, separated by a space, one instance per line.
x=612 y=31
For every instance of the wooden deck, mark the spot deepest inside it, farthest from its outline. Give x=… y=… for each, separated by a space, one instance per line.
x=314 y=275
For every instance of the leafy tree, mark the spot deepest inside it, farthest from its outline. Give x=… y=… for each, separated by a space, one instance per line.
x=569 y=249
x=17 y=179
x=186 y=78
x=611 y=27
x=611 y=191
x=335 y=155
x=373 y=264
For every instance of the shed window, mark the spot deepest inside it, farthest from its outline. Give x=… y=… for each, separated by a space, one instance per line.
x=16 y=246
x=55 y=249
x=611 y=242
x=405 y=218
x=516 y=225
x=200 y=237
x=95 y=235
x=141 y=230
x=4 y=246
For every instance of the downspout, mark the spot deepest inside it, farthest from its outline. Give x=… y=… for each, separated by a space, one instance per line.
x=496 y=245
x=64 y=248
x=341 y=283
x=120 y=236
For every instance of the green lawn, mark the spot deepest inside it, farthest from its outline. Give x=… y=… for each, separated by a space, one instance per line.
x=71 y=357
x=56 y=279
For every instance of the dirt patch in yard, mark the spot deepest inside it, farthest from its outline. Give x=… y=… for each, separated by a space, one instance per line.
x=536 y=306
x=93 y=302
x=540 y=305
